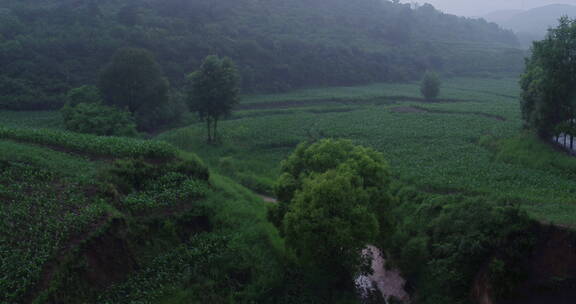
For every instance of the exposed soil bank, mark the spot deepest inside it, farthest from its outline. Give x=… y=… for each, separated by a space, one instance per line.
x=109 y=253
x=549 y=272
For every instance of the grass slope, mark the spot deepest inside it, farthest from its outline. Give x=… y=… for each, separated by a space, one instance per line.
x=141 y=214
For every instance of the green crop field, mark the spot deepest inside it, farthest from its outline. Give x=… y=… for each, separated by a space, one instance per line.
x=468 y=144
x=28 y=119
x=447 y=147
x=66 y=196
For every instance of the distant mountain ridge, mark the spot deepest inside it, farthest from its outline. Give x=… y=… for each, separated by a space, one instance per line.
x=50 y=46
x=531 y=24
x=501 y=16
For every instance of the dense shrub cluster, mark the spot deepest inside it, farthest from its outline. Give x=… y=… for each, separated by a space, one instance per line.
x=442 y=243
x=98 y=119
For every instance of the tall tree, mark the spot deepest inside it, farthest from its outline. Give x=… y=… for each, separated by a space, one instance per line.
x=334 y=197
x=329 y=223
x=133 y=80
x=549 y=81
x=213 y=91
x=430 y=86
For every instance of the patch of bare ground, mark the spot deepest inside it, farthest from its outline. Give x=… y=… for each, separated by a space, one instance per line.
x=51 y=268
x=268 y=199
x=408 y=110
x=385 y=100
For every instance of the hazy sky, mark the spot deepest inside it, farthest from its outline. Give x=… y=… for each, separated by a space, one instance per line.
x=482 y=7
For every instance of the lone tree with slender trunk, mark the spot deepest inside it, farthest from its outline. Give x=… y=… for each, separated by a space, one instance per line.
x=430 y=86
x=213 y=92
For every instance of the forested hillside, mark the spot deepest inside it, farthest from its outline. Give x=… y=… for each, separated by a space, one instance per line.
x=50 y=46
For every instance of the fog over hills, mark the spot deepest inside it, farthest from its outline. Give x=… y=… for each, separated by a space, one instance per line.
x=531 y=24
x=477 y=8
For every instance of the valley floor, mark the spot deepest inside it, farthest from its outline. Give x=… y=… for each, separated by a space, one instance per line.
x=450 y=147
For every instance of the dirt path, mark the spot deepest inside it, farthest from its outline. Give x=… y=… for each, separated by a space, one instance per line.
x=384 y=100
x=416 y=109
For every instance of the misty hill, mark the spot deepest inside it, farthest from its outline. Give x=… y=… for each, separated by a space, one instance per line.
x=50 y=46
x=532 y=24
x=501 y=16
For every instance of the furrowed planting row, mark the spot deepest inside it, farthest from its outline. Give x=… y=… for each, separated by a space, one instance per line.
x=89 y=144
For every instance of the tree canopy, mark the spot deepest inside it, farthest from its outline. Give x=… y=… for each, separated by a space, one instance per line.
x=51 y=46
x=333 y=200
x=430 y=86
x=133 y=81
x=548 y=99
x=214 y=91
x=329 y=222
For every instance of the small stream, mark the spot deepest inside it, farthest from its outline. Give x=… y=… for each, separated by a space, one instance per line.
x=563 y=140
x=389 y=282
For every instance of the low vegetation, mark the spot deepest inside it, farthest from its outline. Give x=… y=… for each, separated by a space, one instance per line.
x=144 y=205
x=90 y=144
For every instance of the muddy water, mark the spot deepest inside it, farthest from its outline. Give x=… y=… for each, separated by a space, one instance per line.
x=268 y=199
x=564 y=141
x=388 y=282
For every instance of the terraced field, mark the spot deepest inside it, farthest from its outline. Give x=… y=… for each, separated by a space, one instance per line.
x=81 y=214
x=447 y=147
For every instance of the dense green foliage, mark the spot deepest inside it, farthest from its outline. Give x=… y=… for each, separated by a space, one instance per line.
x=430 y=86
x=328 y=194
x=51 y=46
x=442 y=242
x=133 y=81
x=83 y=94
x=549 y=82
x=329 y=223
x=213 y=92
x=98 y=119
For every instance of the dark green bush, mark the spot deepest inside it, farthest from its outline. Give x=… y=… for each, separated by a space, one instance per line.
x=442 y=242
x=98 y=119
x=83 y=94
